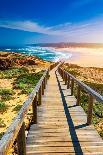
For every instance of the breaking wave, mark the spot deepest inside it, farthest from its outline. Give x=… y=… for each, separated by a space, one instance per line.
x=49 y=54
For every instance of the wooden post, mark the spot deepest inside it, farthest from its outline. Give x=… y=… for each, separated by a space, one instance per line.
x=39 y=96
x=47 y=75
x=34 y=108
x=46 y=79
x=72 y=86
x=90 y=109
x=21 y=141
x=65 y=78
x=78 y=95
x=68 y=82
x=60 y=72
x=63 y=75
x=43 y=87
x=44 y=83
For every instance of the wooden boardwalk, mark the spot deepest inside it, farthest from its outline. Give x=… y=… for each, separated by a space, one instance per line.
x=61 y=126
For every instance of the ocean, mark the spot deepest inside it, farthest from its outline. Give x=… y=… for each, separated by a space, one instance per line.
x=46 y=53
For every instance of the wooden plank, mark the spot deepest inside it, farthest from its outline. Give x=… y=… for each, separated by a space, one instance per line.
x=54 y=133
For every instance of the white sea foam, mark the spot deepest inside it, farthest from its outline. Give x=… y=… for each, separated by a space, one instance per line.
x=46 y=53
x=8 y=49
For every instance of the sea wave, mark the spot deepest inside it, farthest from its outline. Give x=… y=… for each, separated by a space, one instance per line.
x=46 y=53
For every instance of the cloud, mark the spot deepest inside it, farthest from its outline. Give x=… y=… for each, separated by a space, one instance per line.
x=89 y=30
x=30 y=27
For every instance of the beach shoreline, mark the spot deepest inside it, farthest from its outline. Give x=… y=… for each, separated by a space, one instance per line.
x=85 y=57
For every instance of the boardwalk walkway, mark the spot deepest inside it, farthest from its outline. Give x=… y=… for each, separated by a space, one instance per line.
x=61 y=127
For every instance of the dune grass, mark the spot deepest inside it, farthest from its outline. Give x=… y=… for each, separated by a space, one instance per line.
x=27 y=82
x=17 y=108
x=13 y=72
x=3 y=107
x=6 y=94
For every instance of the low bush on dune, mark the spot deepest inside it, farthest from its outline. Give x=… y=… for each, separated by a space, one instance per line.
x=1 y=134
x=73 y=72
x=17 y=108
x=3 y=107
x=6 y=94
x=2 y=124
x=27 y=82
x=13 y=72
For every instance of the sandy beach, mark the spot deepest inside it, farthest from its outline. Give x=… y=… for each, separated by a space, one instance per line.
x=86 y=57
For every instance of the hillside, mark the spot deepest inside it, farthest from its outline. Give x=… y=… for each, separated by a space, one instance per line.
x=18 y=76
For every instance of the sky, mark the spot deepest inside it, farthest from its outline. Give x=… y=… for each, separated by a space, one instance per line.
x=35 y=21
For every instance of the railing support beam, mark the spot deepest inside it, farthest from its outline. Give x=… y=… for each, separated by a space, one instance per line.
x=65 y=79
x=39 y=96
x=68 y=82
x=34 y=108
x=78 y=95
x=43 y=87
x=21 y=141
x=72 y=87
x=90 y=110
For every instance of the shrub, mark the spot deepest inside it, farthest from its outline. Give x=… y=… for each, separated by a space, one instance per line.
x=2 y=124
x=13 y=72
x=27 y=82
x=3 y=107
x=6 y=94
x=17 y=108
x=1 y=134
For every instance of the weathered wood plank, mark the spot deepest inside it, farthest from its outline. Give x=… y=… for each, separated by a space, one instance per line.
x=55 y=133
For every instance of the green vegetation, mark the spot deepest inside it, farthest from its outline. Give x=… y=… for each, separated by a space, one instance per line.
x=74 y=72
x=17 y=108
x=1 y=134
x=13 y=72
x=6 y=94
x=2 y=124
x=72 y=69
x=27 y=82
x=3 y=107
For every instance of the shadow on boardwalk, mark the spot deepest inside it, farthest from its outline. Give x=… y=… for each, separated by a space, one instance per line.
x=72 y=128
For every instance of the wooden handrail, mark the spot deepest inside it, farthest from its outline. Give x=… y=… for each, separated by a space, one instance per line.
x=17 y=128
x=92 y=94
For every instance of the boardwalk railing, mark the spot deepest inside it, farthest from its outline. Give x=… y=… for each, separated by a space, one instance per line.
x=16 y=130
x=69 y=80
